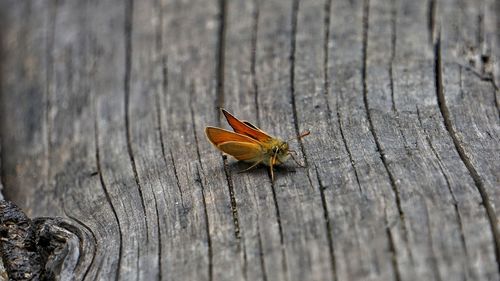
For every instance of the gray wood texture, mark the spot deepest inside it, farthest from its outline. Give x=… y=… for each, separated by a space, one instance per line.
x=103 y=106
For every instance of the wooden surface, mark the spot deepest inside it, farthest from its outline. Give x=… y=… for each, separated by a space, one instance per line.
x=103 y=106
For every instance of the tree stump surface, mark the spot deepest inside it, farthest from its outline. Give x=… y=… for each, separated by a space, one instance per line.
x=103 y=106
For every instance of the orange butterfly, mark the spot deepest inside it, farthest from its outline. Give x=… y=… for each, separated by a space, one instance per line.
x=250 y=144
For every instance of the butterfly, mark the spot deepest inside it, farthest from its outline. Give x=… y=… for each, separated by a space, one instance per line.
x=250 y=144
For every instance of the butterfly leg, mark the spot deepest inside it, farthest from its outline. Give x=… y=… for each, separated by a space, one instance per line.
x=271 y=169
x=251 y=167
x=272 y=160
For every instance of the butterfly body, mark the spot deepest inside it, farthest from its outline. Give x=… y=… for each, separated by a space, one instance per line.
x=249 y=144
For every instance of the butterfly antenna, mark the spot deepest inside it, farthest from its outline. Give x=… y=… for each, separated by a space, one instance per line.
x=306 y=133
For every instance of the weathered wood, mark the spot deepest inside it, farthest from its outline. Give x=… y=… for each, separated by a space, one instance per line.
x=103 y=106
x=19 y=251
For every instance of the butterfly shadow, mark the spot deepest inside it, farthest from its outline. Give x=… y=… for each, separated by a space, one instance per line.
x=240 y=167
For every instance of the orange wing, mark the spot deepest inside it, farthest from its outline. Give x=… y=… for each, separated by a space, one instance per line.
x=218 y=136
x=245 y=128
x=242 y=150
x=239 y=146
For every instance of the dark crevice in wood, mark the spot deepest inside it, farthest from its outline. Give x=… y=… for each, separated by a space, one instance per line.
x=431 y=146
x=245 y=261
x=220 y=104
x=431 y=24
x=193 y=122
x=344 y=141
x=394 y=15
x=219 y=100
x=295 y=12
x=480 y=29
x=392 y=247
x=232 y=198
x=366 y=14
x=253 y=62
x=488 y=77
x=106 y=193
x=158 y=233
x=164 y=85
x=326 y=79
x=326 y=89
x=137 y=259
x=176 y=174
x=280 y=230
x=94 y=242
x=445 y=113
x=434 y=262
x=129 y=7
x=261 y=251
x=328 y=226
x=366 y=11
x=450 y=189
x=202 y=187
x=462 y=237
x=207 y=226
x=311 y=184
x=484 y=77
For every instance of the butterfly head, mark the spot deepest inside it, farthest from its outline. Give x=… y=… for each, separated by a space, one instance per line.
x=281 y=151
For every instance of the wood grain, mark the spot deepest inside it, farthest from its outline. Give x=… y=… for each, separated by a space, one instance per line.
x=103 y=106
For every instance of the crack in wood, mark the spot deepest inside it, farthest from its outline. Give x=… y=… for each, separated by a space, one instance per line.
x=129 y=7
x=245 y=261
x=202 y=187
x=280 y=230
x=366 y=11
x=328 y=225
x=326 y=89
x=349 y=154
x=232 y=199
x=261 y=251
x=295 y=12
x=207 y=226
x=106 y=192
x=445 y=113
x=366 y=14
x=220 y=104
x=94 y=238
x=450 y=189
x=253 y=59
x=392 y=246
x=219 y=99
x=431 y=24
x=394 y=15
x=176 y=174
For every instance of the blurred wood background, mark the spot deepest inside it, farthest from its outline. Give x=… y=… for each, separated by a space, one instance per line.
x=103 y=104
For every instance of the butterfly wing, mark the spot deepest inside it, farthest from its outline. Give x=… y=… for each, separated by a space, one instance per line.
x=218 y=136
x=246 y=128
x=239 y=146
x=243 y=151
